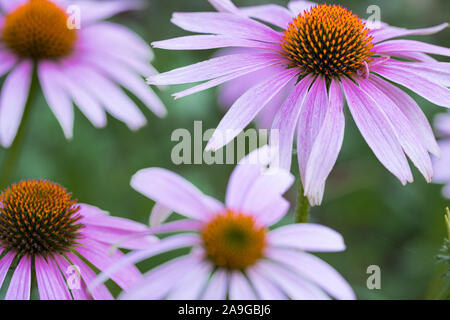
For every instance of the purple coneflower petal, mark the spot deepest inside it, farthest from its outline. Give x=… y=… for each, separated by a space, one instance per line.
x=103 y=10
x=101 y=257
x=286 y=119
x=310 y=122
x=172 y=243
x=50 y=282
x=326 y=147
x=100 y=292
x=20 y=285
x=293 y=286
x=10 y=5
x=191 y=285
x=203 y=42
x=441 y=166
x=406 y=133
x=377 y=131
x=240 y=288
x=442 y=124
x=13 y=98
x=316 y=270
x=5 y=263
x=7 y=61
x=309 y=237
x=274 y=14
x=225 y=24
x=247 y=107
x=92 y=211
x=438 y=72
x=56 y=97
x=172 y=191
x=69 y=270
x=415 y=56
x=393 y=32
x=213 y=68
x=225 y=6
x=410 y=45
x=273 y=212
x=158 y=282
x=264 y=288
x=217 y=286
x=431 y=91
x=412 y=111
x=298 y=7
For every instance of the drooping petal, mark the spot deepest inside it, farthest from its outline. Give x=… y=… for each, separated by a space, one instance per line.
x=74 y=278
x=159 y=215
x=410 y=45
x=377 y=131
x=285 y=121
x=172 y=191
x=20 y=285
x=411 y=110
x=224 y=5
x=51 y=284
x=5 y=263
x=96 y=11
x=192 y=284
x=265 y=289
x=247 y=107
x=309 y=237
x=13 y=97
x=327 y=145
x=240 y=288
x=225 y=24
x=315 y=270
x=217 y=287
x=393 y=32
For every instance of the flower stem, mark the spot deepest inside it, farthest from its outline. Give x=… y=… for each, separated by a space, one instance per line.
x=12 y=155
x=302 y=205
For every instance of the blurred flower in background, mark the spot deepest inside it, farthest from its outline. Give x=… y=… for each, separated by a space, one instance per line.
x=325 y=46
x=47 y=236
x=234 y=255
x=77 y=57
x=442 y=164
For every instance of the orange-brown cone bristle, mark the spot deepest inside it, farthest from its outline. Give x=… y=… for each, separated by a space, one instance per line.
x=38 y=29
x=328 y=40
x=38 y=218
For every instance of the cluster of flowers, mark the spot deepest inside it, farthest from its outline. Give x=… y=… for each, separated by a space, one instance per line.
x=292 y=68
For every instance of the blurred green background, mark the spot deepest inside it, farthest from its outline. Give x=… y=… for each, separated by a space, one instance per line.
x=397 y=228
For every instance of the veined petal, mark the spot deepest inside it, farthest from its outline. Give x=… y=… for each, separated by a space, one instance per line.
x=20 y=285
x=5 y=263
x=247 y=107
x=103 y=10
x=411 y=45
x=240 y=288
x=299 y=6
x=271 y=13
x=393 y=32
x=51 y=284
x=217 y=286
x=377 y=131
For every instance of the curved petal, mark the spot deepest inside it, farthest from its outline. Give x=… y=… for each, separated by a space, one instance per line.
x=20 y=285
x=273 y=212
x=159 y=215
x=326 y=147
x=247 y=107
x=377 y=131
x=393 y=32
x=307 y=236
x=172 y=191
x=51 y=284
x=410 y=45
x=13 y=98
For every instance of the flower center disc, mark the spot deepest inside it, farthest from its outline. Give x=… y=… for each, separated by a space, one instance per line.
x=328 y=40
x=38 y=218
x=234 y=241
x=38 y=29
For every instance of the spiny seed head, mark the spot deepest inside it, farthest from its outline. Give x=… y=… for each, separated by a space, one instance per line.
x=38 y=218
x=327 y=40
x=38 y=29
x=233 y=240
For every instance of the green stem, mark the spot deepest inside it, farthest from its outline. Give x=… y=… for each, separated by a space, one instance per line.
x=302 y=205
x=12 y=155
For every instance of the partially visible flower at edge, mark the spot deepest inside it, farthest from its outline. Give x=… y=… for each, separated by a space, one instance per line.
x=45 y=235
x=442 y=164
x=329 y=54
x=86 y=65
x=234 y=255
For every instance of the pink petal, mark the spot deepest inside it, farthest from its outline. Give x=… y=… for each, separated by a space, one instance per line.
x=442 y=123
x=310 y=122
x=411 y=110
x=192 y=284
x=224 y=5
x=316 y=270
x=327 y=145
x=240 y=288
x=393 y=32
x=377 y=131
x=225 y=24
x=273 y=212
x=159 y=215
x=309 y=237
x=406 y=133
x=172 y=191
x=247 y=107
x=217 y=287
x=286 y=119
x=300 y=6
x=270 y=13
x=441 y=165
x=19 y=287
x=92 y=12
x=10 y=5
x=13 y=98
x=5 y=263
x=410 y=45
x=265 y=289
x=51 y=284
x=7 y=61
x=57 y=99
x=69 y=270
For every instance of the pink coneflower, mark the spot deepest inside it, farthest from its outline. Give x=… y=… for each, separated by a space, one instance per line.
x=234 y=254
x=86 y=65
x=326 y=52
x=44 y=232
x=442 y=164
